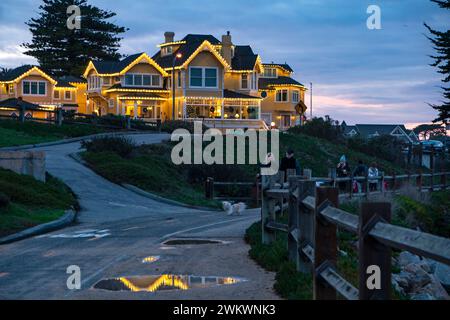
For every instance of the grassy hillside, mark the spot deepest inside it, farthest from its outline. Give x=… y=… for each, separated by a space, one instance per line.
x=26 y=202
x=14 y=133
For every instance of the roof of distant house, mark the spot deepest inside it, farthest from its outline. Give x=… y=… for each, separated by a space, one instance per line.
x=281 y=65
x=265 y=83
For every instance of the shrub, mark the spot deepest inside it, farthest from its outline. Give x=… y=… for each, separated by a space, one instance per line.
x=4 y=200
x=384 y=147
x=120 y=145
x=171 y=125
x=324 y=128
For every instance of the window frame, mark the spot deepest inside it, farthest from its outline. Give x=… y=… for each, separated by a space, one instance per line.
x=246 y=80
x=287 y=95
x=65 y=94
x=142 y=76
x=37 y=82
x=297 y=92
x=203 y=78
x=59 y=95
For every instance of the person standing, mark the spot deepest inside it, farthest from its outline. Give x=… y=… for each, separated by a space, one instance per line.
x=289 y=163
x=343 y=171
x=373 y=177
x=360 y=171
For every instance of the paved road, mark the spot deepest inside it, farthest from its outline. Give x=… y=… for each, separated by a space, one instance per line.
x=116 y=229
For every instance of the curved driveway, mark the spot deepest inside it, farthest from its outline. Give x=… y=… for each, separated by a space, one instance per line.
x=117 y=228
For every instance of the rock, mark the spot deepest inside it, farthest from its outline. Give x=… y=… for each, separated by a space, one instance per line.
x=436 y=290
x=425 y=266
x=406 y=258
x=442 y=273
x=417 y=277
x=402 y=280
x=397 y=284
x=421 y=296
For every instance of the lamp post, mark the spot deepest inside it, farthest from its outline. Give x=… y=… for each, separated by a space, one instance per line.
x=177 y=56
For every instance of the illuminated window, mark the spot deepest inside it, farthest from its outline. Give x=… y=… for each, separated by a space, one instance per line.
x=281 y=95
x=270 y=72
x=34 y=88
x=67 y=95
x=244 y=81
x=142 y=80
x=56 y=94
x=295 y=96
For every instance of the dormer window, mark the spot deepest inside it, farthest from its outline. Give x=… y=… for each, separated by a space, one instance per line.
x=270 y=72
x=165 y=51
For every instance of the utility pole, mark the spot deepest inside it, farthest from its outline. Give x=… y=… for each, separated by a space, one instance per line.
x=311 y=100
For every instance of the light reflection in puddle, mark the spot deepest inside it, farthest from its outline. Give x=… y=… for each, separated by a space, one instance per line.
x=150 y=259
x=163 y=282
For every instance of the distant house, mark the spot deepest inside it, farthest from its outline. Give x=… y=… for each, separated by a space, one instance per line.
x=367 y=131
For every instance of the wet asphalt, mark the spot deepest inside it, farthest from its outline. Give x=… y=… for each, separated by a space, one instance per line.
x=115 y=226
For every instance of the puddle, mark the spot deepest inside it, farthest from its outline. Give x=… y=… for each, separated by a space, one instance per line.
x=150 y=259
x=163 y=283
x=177 y=242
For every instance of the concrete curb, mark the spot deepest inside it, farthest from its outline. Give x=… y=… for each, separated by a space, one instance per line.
x=164 y=200
x=71 y=140
x=67 y=219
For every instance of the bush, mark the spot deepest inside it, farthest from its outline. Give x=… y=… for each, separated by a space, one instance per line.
x=384 y=147
x=324 y=128
x=4 y=200
x=171 y=125
x=119 y=145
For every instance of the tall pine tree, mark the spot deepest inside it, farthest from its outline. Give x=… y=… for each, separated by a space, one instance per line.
x=441 y=44
x=62 y=51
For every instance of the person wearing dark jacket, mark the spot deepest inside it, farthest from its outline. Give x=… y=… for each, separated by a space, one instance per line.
x=360 y=171
x=289 y=162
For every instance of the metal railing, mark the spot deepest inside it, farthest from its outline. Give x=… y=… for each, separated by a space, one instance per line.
x=313 y=219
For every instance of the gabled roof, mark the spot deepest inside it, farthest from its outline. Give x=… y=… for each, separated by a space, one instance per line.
x=284 y=66
x=120 y=67
x=244 y=58
x=229 y=94
x=266 y=83
x=20 y=72
x=381 y=129
x=63 y=83
x=188 y=51
x=200 y=38
x=347 y=129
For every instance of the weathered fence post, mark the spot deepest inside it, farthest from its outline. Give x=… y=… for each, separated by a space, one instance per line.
x=267 y=208
x=325 y=244
x=307 y=173
x=306 y=221
x=128 y=122
x=293 y=220
x=420 y=181
x=374 y=257
x=59 y=117
x=209 y=188
x=158 y=125
x=366 y=182
x=22 y=113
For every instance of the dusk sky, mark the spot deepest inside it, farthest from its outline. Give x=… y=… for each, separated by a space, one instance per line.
x=359 y=75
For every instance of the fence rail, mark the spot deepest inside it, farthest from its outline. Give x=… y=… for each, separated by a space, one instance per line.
x=313 y=219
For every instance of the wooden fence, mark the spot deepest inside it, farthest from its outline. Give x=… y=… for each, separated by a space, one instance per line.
x=58 y=117
x=313 y=219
